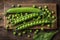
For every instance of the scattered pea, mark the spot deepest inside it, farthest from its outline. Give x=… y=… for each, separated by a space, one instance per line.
x=18 y=5
x=34 y=6
x=14 y=33
x=40 y=7
x=29 y=36
x=24 y=32
x=48 y=25
x=52 y=11
x=45 y=6
x=13 y=5
x=53 y=17
x=19 y=34
x=30 y=30
x=42 y=28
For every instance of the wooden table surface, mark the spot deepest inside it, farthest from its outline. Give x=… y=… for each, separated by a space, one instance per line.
x=7 y=35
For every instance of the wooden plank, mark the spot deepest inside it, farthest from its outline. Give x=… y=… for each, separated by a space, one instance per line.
x=51 y=6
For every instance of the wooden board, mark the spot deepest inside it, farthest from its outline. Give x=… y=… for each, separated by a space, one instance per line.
x=51 y=7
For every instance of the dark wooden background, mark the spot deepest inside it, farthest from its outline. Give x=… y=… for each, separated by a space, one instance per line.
x=7 y=35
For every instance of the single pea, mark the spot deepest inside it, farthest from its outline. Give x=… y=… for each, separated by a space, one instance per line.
x=43 y=21
x=24 y=32
x=48 y=11
x=26 y=13
x=28 y=24
x=13 y=6
x=38 y=17
x=53 y=21
x=42 y=28
x=45 y=6
x=39 y=22
x=18 y=5
x=34 y=6
x=18 y=28
x=48 y=15
x=37 y=30
x=8 y=18
x=53 y=17
x=14 y=33
x=40 y=7
x=52 y=12
x=28 y=16
x=17 y=17
x=30 y=30
x=46 y=21
x=19 y=34
x=43 y=9
x=28 y=36
x=35 y=36
x=44 y=12
x=7 y=26
x=23 y=26
x=48 y=25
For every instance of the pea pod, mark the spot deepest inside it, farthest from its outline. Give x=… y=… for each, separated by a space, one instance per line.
x=22 y=9
x=36 y=22
x=23 y=18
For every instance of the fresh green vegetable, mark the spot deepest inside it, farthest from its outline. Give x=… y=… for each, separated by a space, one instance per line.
x=23 y=26
x=22 y=9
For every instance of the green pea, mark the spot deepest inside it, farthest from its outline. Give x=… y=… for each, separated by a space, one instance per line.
x=43 y=9
x=29 y=36
x=40 y=22
x=30 y=30
x=42 y=28
x=28 y=24
x=38 y=17
x=40 y=7
x=19 y=34
x=18 y=28
x=45 y=6
x=48 y=15
x=44 y=12
x=7 y=26
x=53 y=21
x=48 y=25
x=13 y=6
x=43 y=21
x=14 y=33
x=34 y=6
x=52 y=11
x=18 y=5
x=15 y=15
x=24 y=32
x=47 y=11
x=46 y=21
x=26 y=13
x=53 y=17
